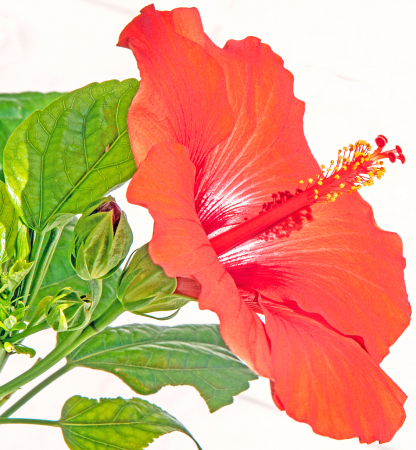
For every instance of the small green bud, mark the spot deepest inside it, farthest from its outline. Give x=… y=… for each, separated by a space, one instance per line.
x=102 y=239
x=144 y=287
x=68 y=310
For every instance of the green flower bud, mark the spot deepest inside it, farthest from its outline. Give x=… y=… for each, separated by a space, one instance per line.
x=68 y=310
x=144 y=287
x=102 y=239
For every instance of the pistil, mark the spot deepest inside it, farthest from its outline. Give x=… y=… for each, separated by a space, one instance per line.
x=356 y=166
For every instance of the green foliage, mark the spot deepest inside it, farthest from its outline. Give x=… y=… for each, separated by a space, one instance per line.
x=20 y=349
x=14 y=276
x=71 y=152
x=61 y=274
x=115 y=424
x=12 y=311
x=144 y=287
x=8 y=224
x=14 y=108
x=148 y=357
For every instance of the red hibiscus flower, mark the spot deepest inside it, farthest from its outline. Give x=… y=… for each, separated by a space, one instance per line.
x=309 y=292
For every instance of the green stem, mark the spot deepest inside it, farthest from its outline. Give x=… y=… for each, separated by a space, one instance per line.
x=24 y=334
x=73 y=340
x=34 y=257
x=43 y=263
x=35 y=390
x=48 y=423
x=3 y=358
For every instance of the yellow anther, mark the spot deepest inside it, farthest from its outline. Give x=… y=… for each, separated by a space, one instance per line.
x=310 y=180
x=344 y=167
x=349 y=192
x=332 y=162
x=365 y=183
x=342 y=185
x=335 y=195
x=337 y=177
x=339 y=152
x=316 y=197
x=323 y=166
x=371 y=174
x=333 y=199
x=353 y=188
x=336 y=169
x=316 y=191
x=358 y=179
x=320 y=183
x=359 y=187
x=339 y=193
x=301 y=182
x=328 y=195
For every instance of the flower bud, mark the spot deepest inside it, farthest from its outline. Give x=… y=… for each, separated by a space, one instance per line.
x=144 y=287
x=102 y=239
x=68 y=310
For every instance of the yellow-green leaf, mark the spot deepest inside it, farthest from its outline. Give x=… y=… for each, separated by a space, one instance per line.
x=115 y=424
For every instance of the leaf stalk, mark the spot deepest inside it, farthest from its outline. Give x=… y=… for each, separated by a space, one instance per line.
x=48 y=423
x=34 y=257
x=42 y=265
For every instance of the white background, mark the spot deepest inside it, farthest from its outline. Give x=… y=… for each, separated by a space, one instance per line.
x=354 y=66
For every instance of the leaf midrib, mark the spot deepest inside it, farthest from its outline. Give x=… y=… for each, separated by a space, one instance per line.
x=125 y=346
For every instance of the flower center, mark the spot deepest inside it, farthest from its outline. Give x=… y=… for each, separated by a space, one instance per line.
x=356 y=166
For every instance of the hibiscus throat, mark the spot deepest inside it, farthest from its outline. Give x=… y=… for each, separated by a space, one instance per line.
x=356 y=166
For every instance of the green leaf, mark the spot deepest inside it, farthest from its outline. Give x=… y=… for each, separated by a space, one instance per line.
x=8 y=224
x=14 y=108
x=15 y=275
x=115 y=424
x=73 y=151
x=148 y=357
x=61 y=274
x=19 y=348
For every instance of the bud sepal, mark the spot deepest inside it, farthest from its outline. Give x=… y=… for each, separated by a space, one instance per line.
x=144 y=287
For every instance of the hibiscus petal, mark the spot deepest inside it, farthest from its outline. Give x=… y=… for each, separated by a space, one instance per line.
x=195 y=93
x=340 y=265
x=182 y=95
x=164 y=184
x=328 y=381
x=267 y=152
